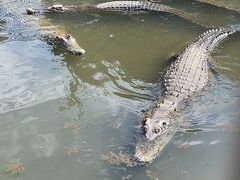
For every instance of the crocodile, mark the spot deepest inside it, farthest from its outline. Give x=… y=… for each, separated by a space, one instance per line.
x=16 y=17
x=62 y=39
x=125 y=7
x=187 y=75
x=220 y=4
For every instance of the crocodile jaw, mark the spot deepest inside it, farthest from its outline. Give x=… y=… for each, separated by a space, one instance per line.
x=147 y=150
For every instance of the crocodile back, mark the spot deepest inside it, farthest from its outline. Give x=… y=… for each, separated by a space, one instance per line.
x=185 y=76
x=189 y=73
x=130 y=6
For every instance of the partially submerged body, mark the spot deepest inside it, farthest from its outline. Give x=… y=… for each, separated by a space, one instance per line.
x=16 y=17
x=222 y=4
x=57 y=37
x=62 y=40
x=233 y=6
x=186 y=76
x=124 y=7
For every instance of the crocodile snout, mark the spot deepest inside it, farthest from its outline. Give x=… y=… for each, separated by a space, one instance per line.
x=80 y=52
x=77 y=52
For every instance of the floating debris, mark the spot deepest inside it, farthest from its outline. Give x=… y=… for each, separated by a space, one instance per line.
x=72 y=125
x=71 y=151
x=184 y=172
x=126 y=177
x=151 y=175
x=119 y=159
x=15 y=167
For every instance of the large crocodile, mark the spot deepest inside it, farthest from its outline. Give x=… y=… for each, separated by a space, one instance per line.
x=16 y=17
x=185 y=76
x=118 y=7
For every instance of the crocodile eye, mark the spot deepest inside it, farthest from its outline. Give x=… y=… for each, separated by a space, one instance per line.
x=164 y=124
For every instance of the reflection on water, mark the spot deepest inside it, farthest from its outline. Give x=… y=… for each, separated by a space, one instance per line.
x=24 y=77
x=59 y=113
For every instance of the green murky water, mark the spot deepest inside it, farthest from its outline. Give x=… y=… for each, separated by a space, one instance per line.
x=103 y=93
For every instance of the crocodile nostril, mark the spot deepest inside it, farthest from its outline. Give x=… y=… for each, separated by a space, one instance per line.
x=78 y=53
x=156 y=130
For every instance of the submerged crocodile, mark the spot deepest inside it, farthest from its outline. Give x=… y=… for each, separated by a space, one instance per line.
x=118 y=6
x=222 y=4
x=185 y=76
x=61 y=39
x=16 y=17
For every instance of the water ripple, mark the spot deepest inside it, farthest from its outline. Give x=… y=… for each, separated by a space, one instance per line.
x=27 y=79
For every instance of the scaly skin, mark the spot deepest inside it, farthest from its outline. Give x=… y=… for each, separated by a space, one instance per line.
x=187 y=75
x=140 y=6
x=121 y=7
x=116 y=6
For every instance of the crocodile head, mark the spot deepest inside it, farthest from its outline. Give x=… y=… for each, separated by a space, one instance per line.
x=155 y=127
x=158 y=131
x=67 y=42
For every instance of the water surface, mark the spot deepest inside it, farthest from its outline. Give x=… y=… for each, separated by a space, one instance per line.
x=103 y=93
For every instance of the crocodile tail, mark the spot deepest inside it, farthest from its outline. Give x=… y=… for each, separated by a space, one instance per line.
x=135 y=6
x=185 y=15
x=181 y=14
x=212 y=38
x=153 y=6
x=220 y=5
